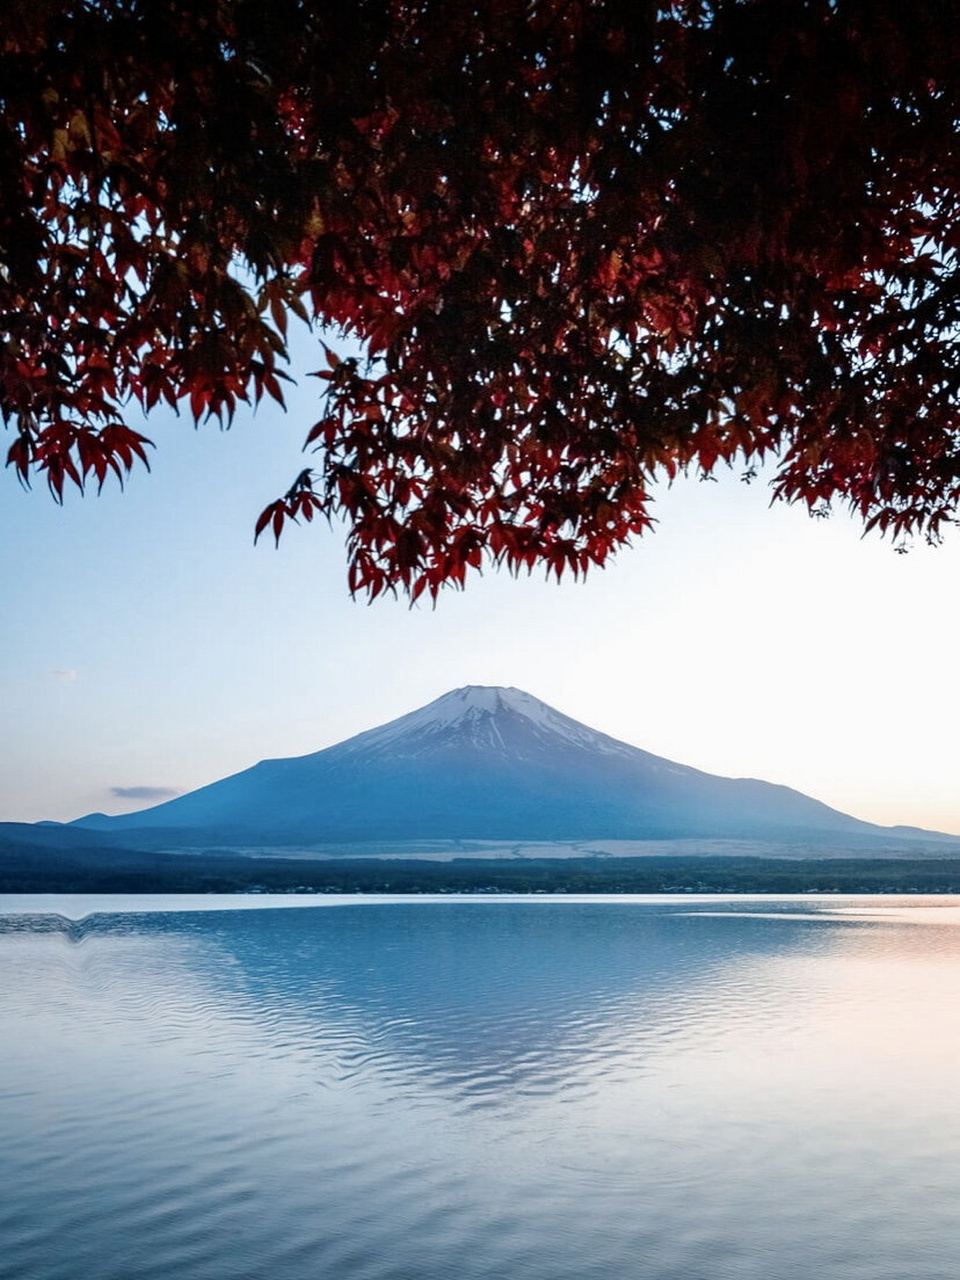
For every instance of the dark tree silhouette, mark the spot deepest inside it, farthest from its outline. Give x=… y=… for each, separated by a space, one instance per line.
x=581 y=244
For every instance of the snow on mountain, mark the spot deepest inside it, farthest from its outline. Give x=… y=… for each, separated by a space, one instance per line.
x=505 y=721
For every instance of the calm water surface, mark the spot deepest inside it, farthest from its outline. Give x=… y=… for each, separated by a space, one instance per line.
x=667 y=1089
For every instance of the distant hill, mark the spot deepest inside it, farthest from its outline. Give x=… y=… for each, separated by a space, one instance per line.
x=490 y=764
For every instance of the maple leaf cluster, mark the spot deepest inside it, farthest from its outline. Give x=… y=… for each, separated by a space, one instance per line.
x=580 y=244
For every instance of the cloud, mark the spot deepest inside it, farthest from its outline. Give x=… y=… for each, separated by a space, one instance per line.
x=64 y=673
x=144 y=793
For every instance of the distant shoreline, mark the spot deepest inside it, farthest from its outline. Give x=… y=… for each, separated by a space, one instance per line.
x=233 y=873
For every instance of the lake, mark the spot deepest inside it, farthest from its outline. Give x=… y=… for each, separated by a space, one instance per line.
x=671 y=1088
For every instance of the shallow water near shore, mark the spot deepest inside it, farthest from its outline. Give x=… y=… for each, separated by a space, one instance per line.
x=539 y=1089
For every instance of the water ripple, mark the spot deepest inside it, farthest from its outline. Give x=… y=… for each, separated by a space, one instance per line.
x=543 y=1091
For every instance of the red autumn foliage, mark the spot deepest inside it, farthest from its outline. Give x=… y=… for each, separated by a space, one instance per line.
x=582 y=244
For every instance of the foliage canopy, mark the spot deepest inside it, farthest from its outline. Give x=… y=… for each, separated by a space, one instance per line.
x=581 y=243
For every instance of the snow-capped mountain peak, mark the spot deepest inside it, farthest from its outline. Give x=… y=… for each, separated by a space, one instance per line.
x=506 y=720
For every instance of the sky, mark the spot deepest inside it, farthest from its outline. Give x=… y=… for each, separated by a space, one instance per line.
x=148 y=648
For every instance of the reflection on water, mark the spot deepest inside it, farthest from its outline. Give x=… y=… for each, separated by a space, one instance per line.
x=539 y=1091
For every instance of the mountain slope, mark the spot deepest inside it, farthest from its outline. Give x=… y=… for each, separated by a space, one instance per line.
x=484 y=763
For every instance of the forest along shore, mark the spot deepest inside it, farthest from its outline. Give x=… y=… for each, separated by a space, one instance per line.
x=129 y=871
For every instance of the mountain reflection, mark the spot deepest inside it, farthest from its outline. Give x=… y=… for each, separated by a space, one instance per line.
x=471 y=997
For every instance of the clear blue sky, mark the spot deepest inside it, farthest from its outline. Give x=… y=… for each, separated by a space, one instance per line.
x=148 y=648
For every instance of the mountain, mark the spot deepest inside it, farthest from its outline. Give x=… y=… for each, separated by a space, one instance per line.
x=483 y=763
